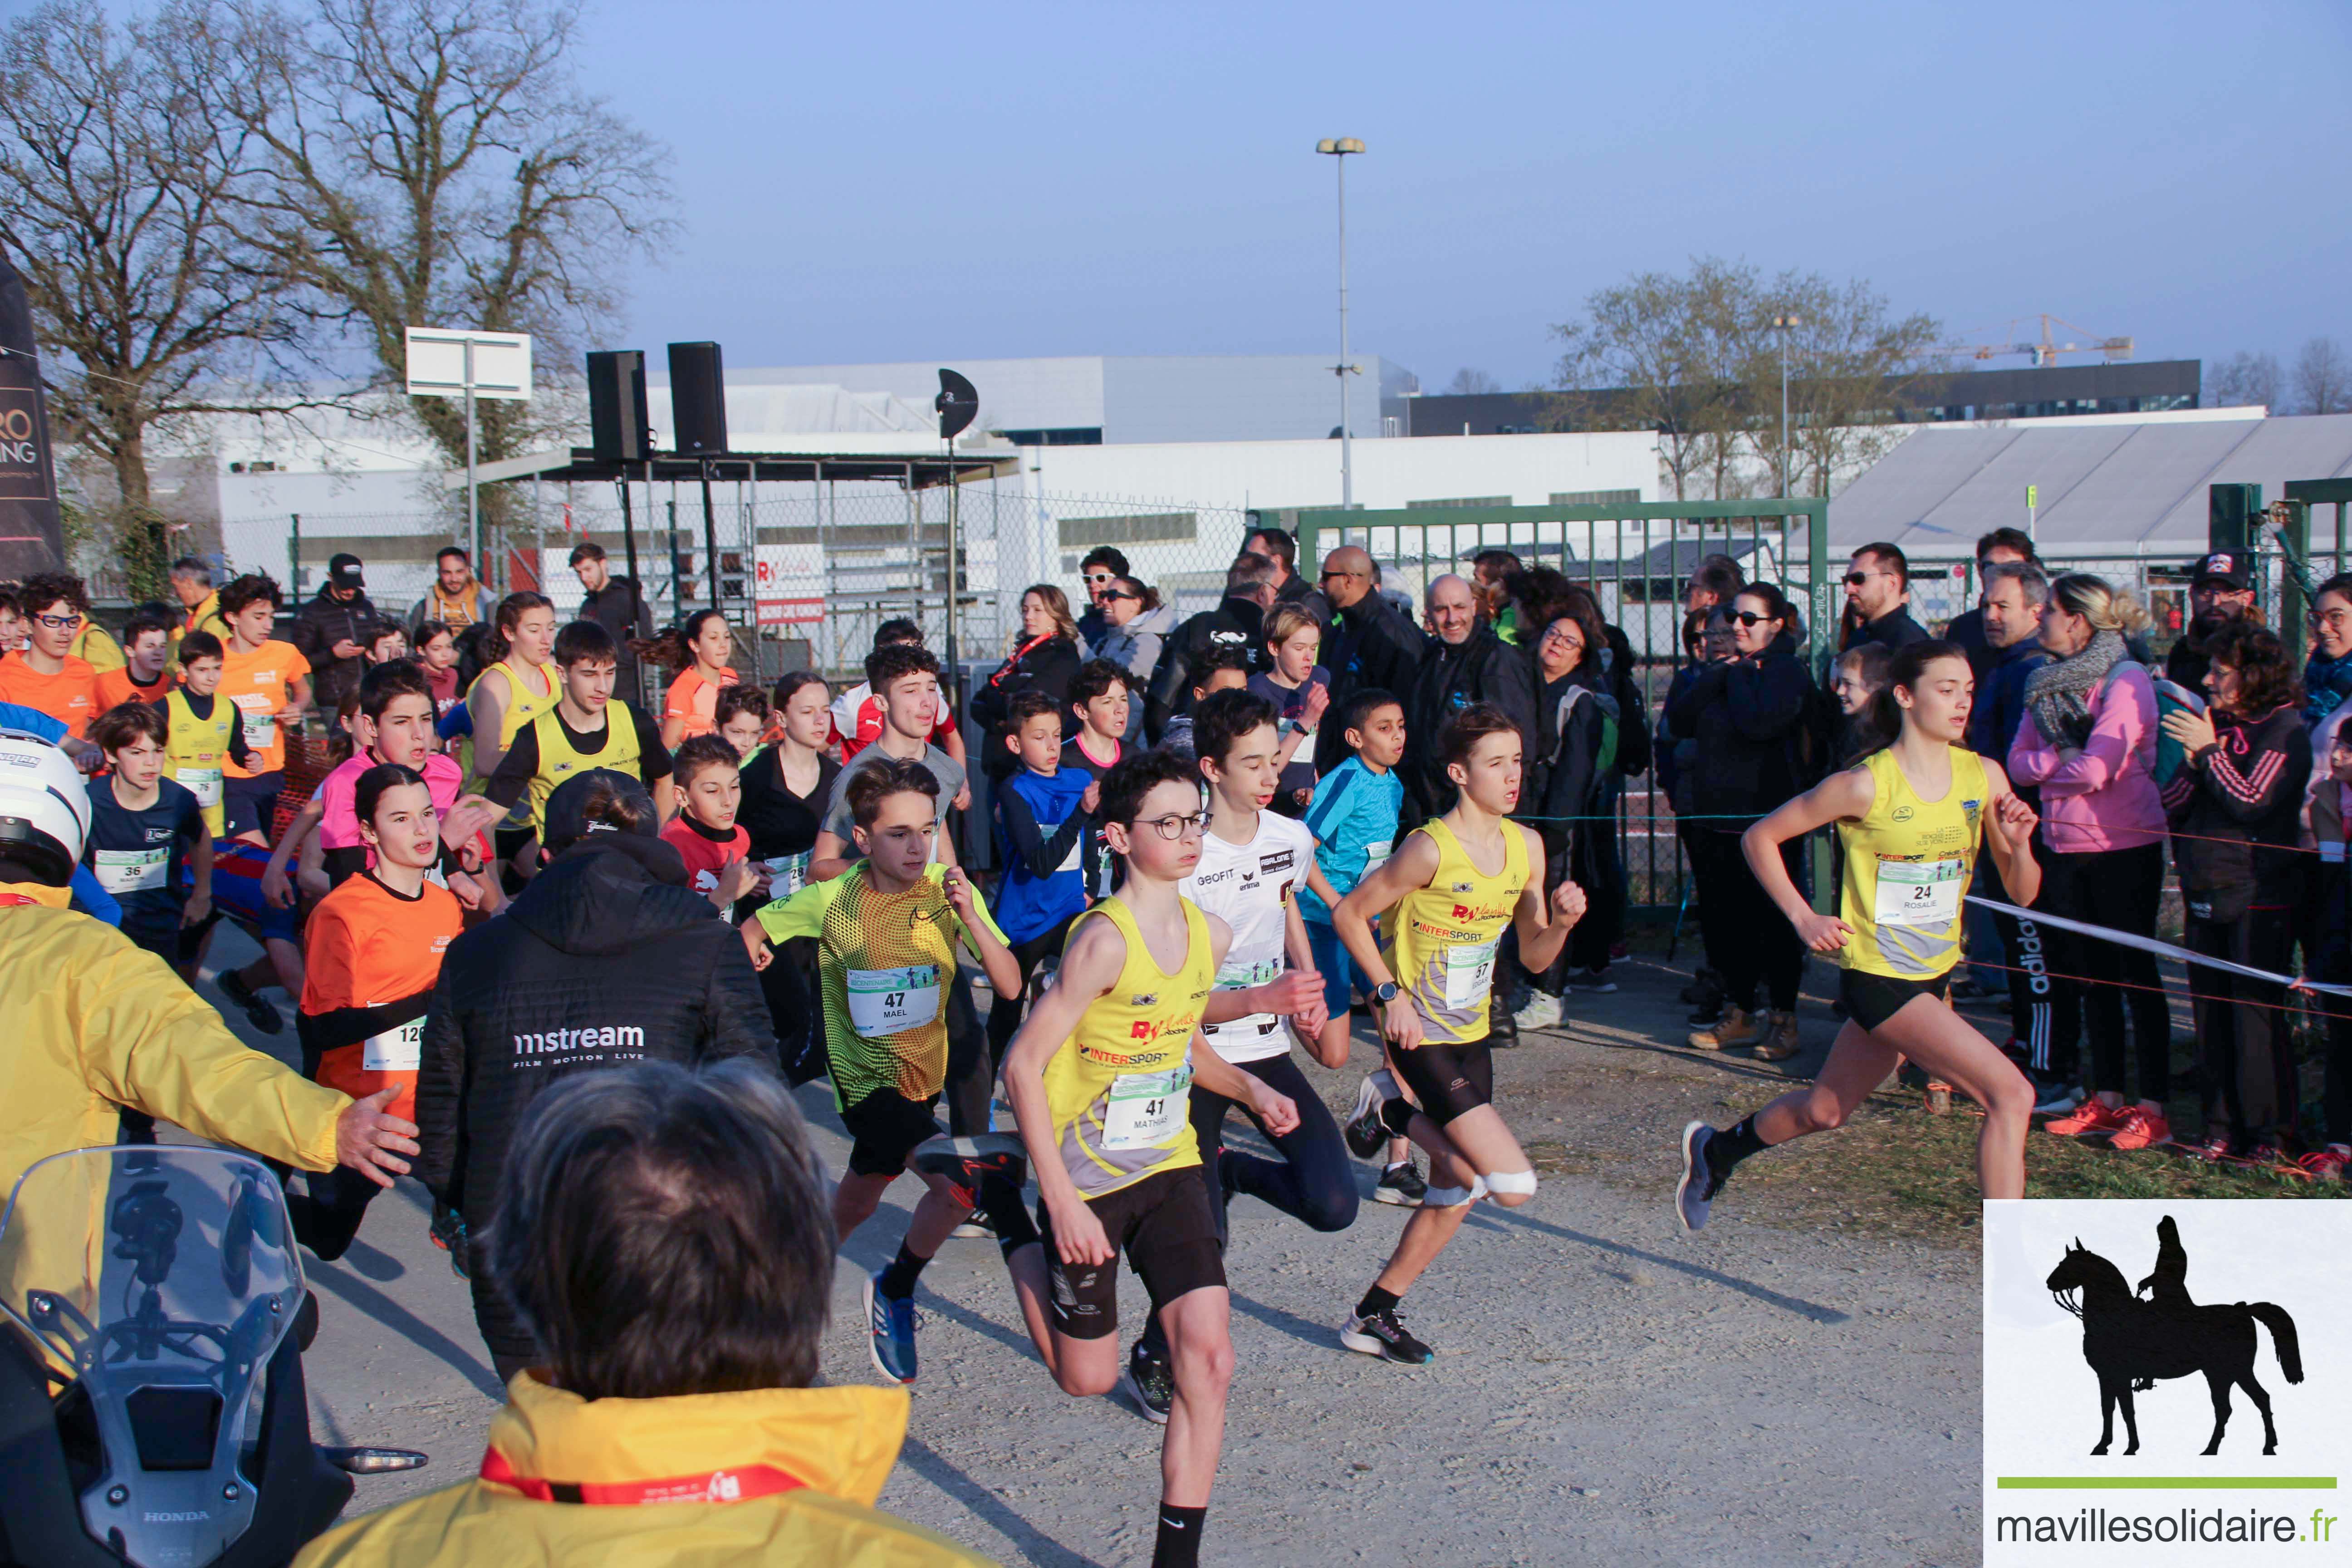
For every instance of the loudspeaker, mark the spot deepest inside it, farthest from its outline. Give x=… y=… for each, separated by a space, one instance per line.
x=697 y=398
x=2233 y=517
x=617 y=406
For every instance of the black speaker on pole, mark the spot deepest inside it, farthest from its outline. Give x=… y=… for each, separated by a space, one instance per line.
x=697 y=399
x=617 y=406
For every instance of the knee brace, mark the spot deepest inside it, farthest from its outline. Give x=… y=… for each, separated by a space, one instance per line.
x=1520 y=1183
x=1456 y=1197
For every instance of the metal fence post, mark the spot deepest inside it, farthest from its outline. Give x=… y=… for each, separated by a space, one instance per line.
x=294 y=556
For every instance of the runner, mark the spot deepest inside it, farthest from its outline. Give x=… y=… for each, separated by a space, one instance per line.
x=519 y=686
x=885 y=940
x=1041 y=820
x=742 y=716
x=709 y=782
x=268 y=683
x=436 y=654
x=372 y=953
x=1909 y=817
x=1099 y=1076
x=204 y=732
x=144 y=831
x=857 y=711
x=698 y=650
x=237 y=868
x=147 y=652
x=1442 y=911
x=785 y=787
x=578 y=732
x=1252 y=860
x=44 y=674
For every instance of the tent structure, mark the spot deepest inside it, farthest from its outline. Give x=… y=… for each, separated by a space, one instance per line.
x=2099 y=487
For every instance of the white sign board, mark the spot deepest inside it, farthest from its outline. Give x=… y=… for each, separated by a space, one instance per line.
x=438 y=363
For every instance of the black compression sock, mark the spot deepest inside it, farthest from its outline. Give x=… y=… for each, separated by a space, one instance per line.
x=1377 y=1300
x=897 y=1278
x=1396 y=1115
x=1154 y=1342
x=1727 y=1148
x=1179 y=1545
x=999 y=1204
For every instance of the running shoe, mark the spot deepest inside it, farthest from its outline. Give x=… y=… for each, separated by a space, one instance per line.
x=448 y=1230
x=890 y=1332
x=2139 y=1129
x=1737 y=1026
x=1696 y=1192
x=2093 y=1116
x=2053 y=1098
x=1150 y=1382
x=1780 y=1042
x=1383 y=1336
x=973 y=1229
x=1401 y=1185
x=1594 y=981
x=2326 y=1164
x=1542 y=1012
x=967 y=1163
x=259 y=1011
x=1502 y=1029
x=2216 y=1147
x=1366 y=1132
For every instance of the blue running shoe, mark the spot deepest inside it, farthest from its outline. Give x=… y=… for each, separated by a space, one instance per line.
x=890 y=1333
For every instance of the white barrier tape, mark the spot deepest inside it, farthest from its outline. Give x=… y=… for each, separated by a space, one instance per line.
x=2149 y=944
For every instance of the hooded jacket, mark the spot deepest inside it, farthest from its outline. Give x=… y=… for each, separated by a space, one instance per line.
x=1047 y=668
x=1371 y=643
x=2236 y=812
x=484 y=602
x=1746 y=715
x=606 y=957
x=758 y=1478
x=1235 y=621
x=1482 y=668
x=321 y=623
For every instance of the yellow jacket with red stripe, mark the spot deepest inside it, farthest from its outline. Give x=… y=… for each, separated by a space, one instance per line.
x=89 y=1022
x=772 y=1477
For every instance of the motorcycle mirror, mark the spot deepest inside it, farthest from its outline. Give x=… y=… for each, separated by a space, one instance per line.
x=236 y=1240
x=374 y=1462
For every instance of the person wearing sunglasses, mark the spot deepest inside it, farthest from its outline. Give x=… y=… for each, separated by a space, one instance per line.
x=1102 y=566
x=44 y=674
x=1878 y=599
x=1138 y=625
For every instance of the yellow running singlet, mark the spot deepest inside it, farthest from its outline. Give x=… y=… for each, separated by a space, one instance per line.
x=1908 y=863
x=196 y=751
x=1440 y=941
x=523 y=705
x=559 y=759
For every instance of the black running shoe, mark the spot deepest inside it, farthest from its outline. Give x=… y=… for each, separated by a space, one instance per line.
x=1698 y=1186
x=1401 y=1185
x=448 y=1229
x=1502 y=1029
x=259 y=1011
x=968 y=1163
x=1367 y=1133
x=1383 y=1336
x=1150 y=1382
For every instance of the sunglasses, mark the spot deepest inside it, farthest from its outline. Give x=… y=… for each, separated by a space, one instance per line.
x=1123 y=593
x=1099 y=576
x=1749 y=618
x=1856 y=579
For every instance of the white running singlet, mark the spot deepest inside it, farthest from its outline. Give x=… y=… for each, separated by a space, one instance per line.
x=1250 y=887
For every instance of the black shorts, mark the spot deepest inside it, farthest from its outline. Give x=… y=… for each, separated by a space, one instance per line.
x=506 y=843
x=1872 y=999
x=1167 y=1227
x=1447 y=1079
x=248 y=805
x=884 y=1129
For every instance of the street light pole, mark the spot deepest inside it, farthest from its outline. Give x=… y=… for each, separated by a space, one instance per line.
x=1784 y=324
x=1338 y=148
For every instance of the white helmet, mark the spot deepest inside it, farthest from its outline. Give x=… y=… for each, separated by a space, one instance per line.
x=44 y=807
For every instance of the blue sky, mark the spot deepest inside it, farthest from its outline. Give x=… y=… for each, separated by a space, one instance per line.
x=907 y=181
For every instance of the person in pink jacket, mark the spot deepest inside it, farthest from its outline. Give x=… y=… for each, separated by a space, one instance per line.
x=2088 y=741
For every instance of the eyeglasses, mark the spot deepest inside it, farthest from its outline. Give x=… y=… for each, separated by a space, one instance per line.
x=2339 y=619
x=64 y=622
x=1568 y=636
x=1192 y=827
x=1099 y=577
x=1749 y=618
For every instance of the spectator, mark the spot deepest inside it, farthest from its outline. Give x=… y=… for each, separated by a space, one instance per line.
x=618 y=605
x=1042 y=657
x=1878 y=598
x=456 y=598
x=2087 y=739
x=1577 y=729
x=2220 y=589
x=604 y=954
x=1467 y=664
x=1300 y=690
x=1490 y=574
x=2236 y=812
x=2327 y=672
x=1541 y=596
x=1101 y=567
x=192 y=586
x=1279 y=546
x=1238 y=621
x=1746 y=711
x=2009 y=545
x=1369 y=646
x=331 y=628
x=668 y=1250
x=1714 y=583
x=1138 y=628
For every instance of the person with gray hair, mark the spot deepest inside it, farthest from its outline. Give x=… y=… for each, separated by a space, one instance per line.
x=200 y=611
x=664 y=1234
x=1239 y=620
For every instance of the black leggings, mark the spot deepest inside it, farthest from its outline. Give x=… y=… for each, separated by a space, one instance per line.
x=2121 y=889
x=1313 y=1181
x=2244 y=1045
x=2050 y=1034
x=1004 y=1012
x=1749 y=940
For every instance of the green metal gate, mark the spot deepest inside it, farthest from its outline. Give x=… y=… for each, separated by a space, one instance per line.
x=1635 y=557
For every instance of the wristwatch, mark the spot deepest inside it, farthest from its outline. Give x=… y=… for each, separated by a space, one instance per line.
x=1385 y=992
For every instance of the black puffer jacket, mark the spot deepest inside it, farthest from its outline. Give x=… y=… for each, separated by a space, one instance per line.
x=1237 y=623
x=607 y=958
x=1047 y=667
x=321 y=623
x=1746 y=715
x=1482 y=668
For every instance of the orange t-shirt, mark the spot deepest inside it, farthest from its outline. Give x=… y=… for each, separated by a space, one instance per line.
x=116 y=688
x=370 y=960
x=70 y=696
x=694 y=701
x=255 y=683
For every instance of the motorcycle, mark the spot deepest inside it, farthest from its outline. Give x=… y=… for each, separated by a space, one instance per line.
x=152 y=1409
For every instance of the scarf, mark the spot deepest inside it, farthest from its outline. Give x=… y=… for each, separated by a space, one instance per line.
x=2325 y=682
x=457 y=613
x=2058 y=695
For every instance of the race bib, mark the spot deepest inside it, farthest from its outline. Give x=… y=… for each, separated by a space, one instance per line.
x=205 y=783
x=395 y=1051
x=1145 y=1109
x=131 y=870
x=1469 y=974
x=1920 y=893
x=1235 y=974
x=1376 y=853
x=788 y=874
x=260 y=716
x=1075 y=861
x=886 y=1002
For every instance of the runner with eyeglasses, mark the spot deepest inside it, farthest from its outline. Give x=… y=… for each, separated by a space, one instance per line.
x=44 y=674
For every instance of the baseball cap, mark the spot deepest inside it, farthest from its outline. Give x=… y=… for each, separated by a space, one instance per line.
x=2231 y=566
x=567 y=809
x=343 y=572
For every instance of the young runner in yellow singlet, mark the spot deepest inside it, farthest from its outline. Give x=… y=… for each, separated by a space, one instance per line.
x=521 y=685
x=1910 y=817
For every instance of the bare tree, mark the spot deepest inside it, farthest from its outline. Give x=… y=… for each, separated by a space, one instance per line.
x=1656 y=345
x=2323 y=378
x=433 y=162
x=1469 y=382
x=1851 y=366
x=2245 y=380
x=117 y=166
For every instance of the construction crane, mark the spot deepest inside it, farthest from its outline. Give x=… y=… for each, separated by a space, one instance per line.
x=2046 y=351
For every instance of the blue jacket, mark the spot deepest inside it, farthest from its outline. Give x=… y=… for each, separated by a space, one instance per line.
x=1041 y=837
x=2000 y=698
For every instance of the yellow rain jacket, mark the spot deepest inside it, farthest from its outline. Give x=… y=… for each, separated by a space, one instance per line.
x=776 y=1477
x=89 y=1022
